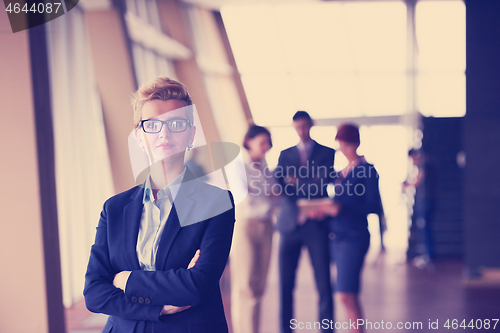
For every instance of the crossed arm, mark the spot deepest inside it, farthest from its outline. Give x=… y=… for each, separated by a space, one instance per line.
x=120 y=281
x=176 y=288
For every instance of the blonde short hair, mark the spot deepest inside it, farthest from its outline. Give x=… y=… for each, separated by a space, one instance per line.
x=163 y=89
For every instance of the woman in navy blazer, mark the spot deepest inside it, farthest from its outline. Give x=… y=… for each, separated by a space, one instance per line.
x=171 y=282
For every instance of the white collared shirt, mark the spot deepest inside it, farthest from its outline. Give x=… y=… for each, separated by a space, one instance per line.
x=259 y=180
x=153 y=220
x=306 y=149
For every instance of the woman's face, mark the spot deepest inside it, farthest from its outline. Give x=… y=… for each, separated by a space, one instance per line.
x=165 y=144
x=259 y=145
x=347 y=148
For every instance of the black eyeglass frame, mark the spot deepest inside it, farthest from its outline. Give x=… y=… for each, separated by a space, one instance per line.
x=166 y=122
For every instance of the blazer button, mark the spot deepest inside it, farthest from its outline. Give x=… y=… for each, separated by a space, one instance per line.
x=133 y=299
x=141 y=300
x=147 y=300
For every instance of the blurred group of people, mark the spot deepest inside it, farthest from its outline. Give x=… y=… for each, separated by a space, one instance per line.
x=332 y=229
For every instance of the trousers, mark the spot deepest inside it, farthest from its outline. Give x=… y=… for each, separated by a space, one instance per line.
x=249 y=263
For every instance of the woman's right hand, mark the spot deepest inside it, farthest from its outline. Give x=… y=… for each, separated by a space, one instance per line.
x=170 y=309
x=331 y=209
x=194 y=260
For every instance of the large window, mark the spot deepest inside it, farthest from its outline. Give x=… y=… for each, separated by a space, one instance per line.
x=440 y=31
x=331 y=59
x=217 y=73
x=350 y=59
x=149 y=65
x=153 y=51
x=83 y=171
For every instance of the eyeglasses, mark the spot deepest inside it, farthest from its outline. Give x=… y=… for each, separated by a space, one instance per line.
x=152 y=126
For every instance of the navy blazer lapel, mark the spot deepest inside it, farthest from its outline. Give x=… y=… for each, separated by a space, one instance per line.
x=173 y=225
x=314 y=151
x=132 y=214
x=296 y=156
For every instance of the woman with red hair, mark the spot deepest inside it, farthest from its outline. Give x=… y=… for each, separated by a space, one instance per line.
x=356 y=195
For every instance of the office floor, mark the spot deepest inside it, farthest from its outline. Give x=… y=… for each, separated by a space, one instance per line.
x=393 y=291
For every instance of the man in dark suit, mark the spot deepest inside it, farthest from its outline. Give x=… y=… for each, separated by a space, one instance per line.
x=304 y=171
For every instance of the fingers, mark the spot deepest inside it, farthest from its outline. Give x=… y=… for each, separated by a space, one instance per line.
x=317 y=214
x=120 y=279
x=170 y=309
x=331 y=210
x=195 y=259
x=337 y=209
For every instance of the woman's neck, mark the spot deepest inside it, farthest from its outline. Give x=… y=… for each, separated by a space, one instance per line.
x=164 y=172
x=353 y=159
x=255 y=157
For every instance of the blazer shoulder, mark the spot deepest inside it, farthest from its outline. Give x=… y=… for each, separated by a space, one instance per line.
x=288 y=150
x=120 y=198
x=212 y=193
x=325 y=148
x=371 y=170
x=286 y=153
x=201 y=201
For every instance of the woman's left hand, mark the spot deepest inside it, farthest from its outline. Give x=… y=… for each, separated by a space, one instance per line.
x=120 y=280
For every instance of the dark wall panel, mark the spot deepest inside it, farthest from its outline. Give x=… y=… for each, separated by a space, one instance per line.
x=482 y=135
x=442 y=142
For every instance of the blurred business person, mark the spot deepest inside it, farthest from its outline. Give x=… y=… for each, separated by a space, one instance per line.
x=424 y=185
x=356 y=196
x=303 y=172
x=252 y=241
